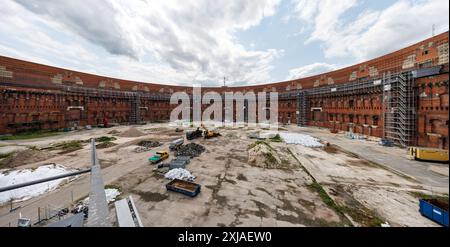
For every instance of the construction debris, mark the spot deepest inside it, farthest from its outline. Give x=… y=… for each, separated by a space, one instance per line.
x=146 y=146
x=162 y=170
x=149 y=144
x=81 y=207
x=179 y=162
x=179 y=173
x=192 y=150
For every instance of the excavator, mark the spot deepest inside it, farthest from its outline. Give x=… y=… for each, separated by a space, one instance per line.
x=210 y=133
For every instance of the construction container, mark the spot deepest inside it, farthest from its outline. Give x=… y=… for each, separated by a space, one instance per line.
x=184 y=187
x=435 y=210
x=428 y=154
x=177 y=164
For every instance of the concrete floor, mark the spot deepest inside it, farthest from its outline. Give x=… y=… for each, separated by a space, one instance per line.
x=431 y=175
x=236 y=193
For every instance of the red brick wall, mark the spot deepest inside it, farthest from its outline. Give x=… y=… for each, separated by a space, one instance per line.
x=31 y=96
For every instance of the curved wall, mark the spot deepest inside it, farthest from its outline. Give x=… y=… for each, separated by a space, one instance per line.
x=37 y=96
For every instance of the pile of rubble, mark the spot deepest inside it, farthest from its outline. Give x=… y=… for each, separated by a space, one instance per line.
x=192 y=150
x=149 y=144
x=146 y=146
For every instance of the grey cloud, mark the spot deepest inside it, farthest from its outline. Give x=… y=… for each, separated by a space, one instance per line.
x=93 y=20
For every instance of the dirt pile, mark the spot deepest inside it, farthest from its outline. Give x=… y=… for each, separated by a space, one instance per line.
x=105 y=145
x=146 y=145
x=149 y=144
x=191 y=150
x=114 y=132
x=131 y=132
x=25 y=157
x=262 y=155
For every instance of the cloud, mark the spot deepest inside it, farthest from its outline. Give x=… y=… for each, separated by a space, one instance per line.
x=373 y=32
x=310 y=70
x=193 y=40
x=93 y=20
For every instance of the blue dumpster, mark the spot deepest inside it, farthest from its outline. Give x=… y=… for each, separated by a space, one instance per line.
x=434 y=210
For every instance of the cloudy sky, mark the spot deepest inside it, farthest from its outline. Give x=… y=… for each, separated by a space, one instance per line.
x=202 y=41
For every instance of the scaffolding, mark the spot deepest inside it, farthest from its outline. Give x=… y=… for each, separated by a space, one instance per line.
x=135 y=116
x=302 y=108
x=399 y=107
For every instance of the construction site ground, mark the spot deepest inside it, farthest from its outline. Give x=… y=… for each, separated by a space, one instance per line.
x=348 y=183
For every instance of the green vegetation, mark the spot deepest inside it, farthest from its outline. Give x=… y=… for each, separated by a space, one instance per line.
x=6 y=155
x=324 y=195
x=105 y=139
x=421 y=195
x=270 y=158
x=106 y=144
x=358 y=213
x=29 y=135
x=276 y=138
x=68 y=147
x=250 y=146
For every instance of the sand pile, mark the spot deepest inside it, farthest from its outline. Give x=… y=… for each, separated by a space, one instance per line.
x=114 y=132
x=132 y=132
x=262 y=155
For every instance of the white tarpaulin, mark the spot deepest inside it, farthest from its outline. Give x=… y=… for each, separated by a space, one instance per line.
x=179 y=173
x=305 y=140
x=8 y=178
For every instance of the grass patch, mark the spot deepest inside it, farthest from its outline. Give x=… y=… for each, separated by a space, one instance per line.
x=270 y=159
x=6 y=155
x=105 y=139
x=250 y=146
x=276 y=138
x=324 y=196
x=29 y=135
x=68 y=147
x=106 y=144
x=363 y=216
x=421 y=195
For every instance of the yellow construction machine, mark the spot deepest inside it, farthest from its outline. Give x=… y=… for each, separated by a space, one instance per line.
x=428 y=154
x=210 y=133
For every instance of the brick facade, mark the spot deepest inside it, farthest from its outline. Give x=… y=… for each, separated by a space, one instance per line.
x=36 y=96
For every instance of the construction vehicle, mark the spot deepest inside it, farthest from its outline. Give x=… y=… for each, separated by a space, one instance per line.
x=176 y=144
x=428 y=154
x=190 y=135
x=209 y=133
x=386 y=142
x=159 y=156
